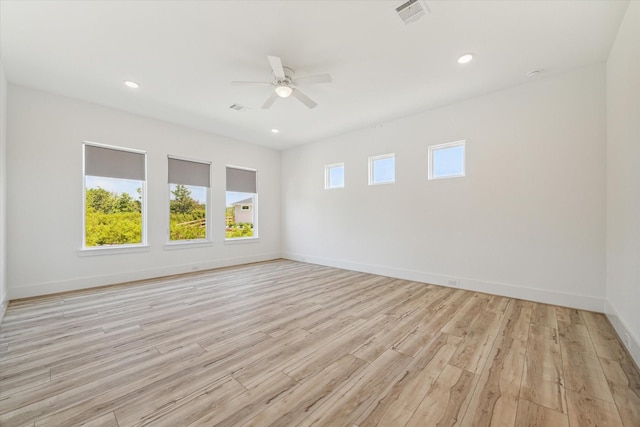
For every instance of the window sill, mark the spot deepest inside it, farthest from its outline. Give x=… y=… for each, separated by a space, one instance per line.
x=461 y=175
x=113 y=250
x=187 y=244
x=241 y=240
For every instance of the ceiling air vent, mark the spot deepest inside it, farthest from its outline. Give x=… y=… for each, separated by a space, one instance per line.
x=411 y=11
x=238 y=107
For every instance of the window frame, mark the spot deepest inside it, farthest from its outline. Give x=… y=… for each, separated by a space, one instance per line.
x=372 y=160
x=255 y=210
x=208 y=229
x=327 y=176
x=104 y=249
x=447 y=145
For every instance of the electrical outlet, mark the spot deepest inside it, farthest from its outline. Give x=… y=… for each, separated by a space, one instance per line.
x=627 y=339
x=452 y=283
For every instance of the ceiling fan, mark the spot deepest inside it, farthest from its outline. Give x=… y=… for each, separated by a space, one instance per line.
x=285 y=82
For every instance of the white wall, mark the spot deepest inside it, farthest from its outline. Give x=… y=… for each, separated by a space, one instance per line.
x=528 y=220
x=44 y=198
x=623 y=180
x=3 y=191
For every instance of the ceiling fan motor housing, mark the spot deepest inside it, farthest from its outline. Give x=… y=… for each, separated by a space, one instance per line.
x=288 y=76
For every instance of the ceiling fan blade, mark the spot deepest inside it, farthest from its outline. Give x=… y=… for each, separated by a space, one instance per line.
x=269 y=102
x=251 y=83
x=304 y=98
x=309 y=80
x=276 y=66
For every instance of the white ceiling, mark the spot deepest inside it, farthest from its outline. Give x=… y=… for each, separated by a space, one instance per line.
x=184 y=54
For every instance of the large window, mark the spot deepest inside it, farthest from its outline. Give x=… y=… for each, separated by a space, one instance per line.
x=188 y=194
x=114 y=196
x=334 y=176
x=446 y=160
x=242 y=203
x=382 y=169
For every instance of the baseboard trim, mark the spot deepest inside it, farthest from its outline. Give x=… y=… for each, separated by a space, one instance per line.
x=633 y=346
x=582 y=302
x=54 y=287
x=3 y=308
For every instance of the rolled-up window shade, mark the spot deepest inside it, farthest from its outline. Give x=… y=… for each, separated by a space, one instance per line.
x=241 y=180
x=113 y=163
x=187 y=172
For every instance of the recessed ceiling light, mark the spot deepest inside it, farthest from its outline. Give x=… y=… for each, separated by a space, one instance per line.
x=274 y=131
x=131 y=84
x=466 y=58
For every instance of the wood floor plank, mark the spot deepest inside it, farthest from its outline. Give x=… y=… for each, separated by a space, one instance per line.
x=605 y=340
x=252 y=373
x=447 y=399
x=543 y=379
x=106 y=420
x=384 y=340
x=44 y=407
x=569 y=315
x=586 y=411
x=497 y=304
x=495 y=399
x=287 y=343
x=399 y=402
x=92 y=374
x=329 y=353
x=196 y=405
x=544 y=315
x=533 y=415
x=474 y=349
x=350 y=401
x=624 y=382
x=461 y=322
x=244 y=407
x=436 y=315
x=303 y=399
x=15 y=384
x=583 y=372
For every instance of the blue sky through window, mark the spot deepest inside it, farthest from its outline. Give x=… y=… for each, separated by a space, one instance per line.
x=336 y=176
x=130 y=186
x=234 y=196
x=114 y=185
x=384 y=170
x=199 y=194
x=448 y=161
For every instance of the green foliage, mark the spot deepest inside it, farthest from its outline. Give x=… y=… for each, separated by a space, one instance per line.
x=101 y=200
x=242 y=229
x=187 y=216
x=182 y=202
x=113 y=228
x=188 y=226
x=125 y=203
x=231 y=212
x=116 y=219
x=111 y=218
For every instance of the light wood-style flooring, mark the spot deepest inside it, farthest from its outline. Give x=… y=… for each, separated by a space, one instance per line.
x=293 y=344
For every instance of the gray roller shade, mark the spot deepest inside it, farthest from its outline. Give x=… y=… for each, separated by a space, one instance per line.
x=113 y=163
x=241 y=180
x=186 y=172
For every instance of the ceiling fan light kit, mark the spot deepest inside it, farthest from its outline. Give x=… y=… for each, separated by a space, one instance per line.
x=283 y=91
x=285 y=84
